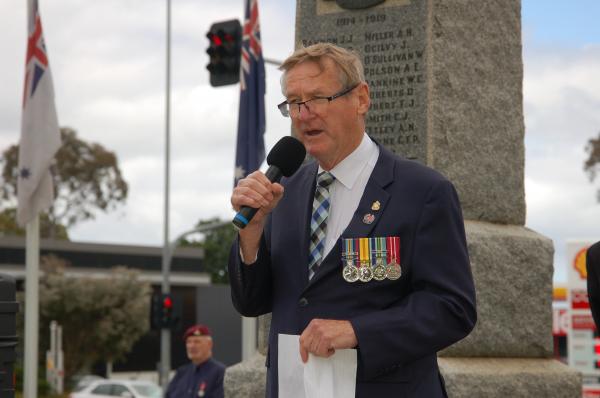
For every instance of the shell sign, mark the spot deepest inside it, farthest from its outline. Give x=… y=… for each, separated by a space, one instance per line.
x=579 y=263
x=581 y=329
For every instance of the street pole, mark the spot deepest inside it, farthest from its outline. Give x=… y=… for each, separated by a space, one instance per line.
x=32 y=308
x=165 y=334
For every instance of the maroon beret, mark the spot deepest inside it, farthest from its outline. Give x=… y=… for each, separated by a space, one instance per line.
x=196 y=330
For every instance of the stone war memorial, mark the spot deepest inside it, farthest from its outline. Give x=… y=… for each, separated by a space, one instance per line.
x=446 y=82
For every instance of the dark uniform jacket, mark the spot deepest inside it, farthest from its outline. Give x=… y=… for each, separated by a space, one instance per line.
x=400 y=324
x=204 y=380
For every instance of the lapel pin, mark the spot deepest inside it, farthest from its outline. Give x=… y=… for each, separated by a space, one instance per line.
x=376 y=205
x=368 y=218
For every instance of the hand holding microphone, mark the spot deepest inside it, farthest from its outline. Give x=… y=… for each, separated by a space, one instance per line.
x=283 y=160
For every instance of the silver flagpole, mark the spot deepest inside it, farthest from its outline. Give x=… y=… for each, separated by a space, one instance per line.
x=32 y=258
x=165 y=334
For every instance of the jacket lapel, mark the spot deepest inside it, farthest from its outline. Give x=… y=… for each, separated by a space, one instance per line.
x=361 y=226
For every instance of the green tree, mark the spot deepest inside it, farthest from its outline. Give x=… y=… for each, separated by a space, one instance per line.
x=9 y=226
x=101 y=318
x=216 y=245
x=592 y=164
x=87 y=178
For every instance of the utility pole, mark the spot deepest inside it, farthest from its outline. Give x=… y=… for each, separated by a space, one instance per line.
x=165 y=334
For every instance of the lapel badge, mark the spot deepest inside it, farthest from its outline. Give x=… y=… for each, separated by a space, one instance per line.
x=368 y=218
x=376 y=205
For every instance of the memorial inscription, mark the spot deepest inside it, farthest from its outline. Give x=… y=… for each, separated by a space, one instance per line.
x=329 y=6
x=391 y=42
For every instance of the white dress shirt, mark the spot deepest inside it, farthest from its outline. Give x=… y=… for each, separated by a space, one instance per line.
x=351 y=176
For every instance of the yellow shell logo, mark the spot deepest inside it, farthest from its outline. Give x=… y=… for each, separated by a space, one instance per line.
x=579 y=263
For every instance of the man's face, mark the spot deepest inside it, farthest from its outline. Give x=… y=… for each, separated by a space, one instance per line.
x=198 y=348
x=332 y=132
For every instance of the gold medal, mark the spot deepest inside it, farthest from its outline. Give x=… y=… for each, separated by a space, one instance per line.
x=393 y=271
x=350 y=273
x=365 y=273
x=379 y=271
x=349 y=254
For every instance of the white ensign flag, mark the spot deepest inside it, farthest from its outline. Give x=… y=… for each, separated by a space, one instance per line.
x=40 y=135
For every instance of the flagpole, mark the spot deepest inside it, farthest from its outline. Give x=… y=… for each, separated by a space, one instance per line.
x=40 y=139
x=32 y=257
x=165 y=334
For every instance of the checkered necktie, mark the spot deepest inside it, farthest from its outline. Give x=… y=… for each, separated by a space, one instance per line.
x=318 y=223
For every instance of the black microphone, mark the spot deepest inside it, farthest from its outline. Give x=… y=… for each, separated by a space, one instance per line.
x=283 y=160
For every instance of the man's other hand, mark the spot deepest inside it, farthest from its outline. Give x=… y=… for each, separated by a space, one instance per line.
x=323 y=336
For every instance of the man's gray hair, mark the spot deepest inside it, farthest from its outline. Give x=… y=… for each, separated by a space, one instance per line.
x=348 y=62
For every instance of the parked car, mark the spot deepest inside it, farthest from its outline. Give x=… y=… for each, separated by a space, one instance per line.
x=111 y=388
x=80 y=382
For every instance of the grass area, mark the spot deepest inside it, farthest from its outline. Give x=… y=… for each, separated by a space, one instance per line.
x=65 y=395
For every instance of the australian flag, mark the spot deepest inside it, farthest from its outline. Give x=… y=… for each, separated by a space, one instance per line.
x=250 y=150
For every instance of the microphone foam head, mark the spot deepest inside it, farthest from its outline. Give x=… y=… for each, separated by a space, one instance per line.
x=287 y=155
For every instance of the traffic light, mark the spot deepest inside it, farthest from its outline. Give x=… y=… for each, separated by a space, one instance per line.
x=165 y=311
x=166 y=315
x=225 y=46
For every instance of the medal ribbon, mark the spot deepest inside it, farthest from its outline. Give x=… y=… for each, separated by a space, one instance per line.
x=347 y=249
x=364 y=251
x=373 y=250
x=382 y=253
x=393 y=243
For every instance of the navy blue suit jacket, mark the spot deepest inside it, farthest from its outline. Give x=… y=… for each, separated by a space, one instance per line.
x=204 y=380
x=399 y=325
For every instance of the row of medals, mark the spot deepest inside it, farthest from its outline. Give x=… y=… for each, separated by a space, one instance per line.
x=367 y=271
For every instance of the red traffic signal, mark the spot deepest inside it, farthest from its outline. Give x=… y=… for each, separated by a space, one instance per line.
x=214 y=39
x=165 y=311
x=225 y=46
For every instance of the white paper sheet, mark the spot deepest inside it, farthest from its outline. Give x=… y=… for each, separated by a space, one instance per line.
x=333 y=377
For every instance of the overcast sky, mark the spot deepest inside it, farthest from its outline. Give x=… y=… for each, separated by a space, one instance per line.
x=108 y=64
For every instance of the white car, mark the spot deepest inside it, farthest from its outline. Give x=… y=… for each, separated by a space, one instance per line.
x=82 y=381
x=111 y=388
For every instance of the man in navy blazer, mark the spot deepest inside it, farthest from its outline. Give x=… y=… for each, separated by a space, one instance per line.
x=398 y=321
x=203 y=376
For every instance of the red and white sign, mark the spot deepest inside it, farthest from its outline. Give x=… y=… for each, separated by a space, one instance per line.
x=581 y=331
x=583 y=322
x=560 y=322
x=579 y=299
x=591 y=392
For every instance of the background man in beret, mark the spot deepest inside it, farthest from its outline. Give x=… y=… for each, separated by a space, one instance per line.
x=203 y=376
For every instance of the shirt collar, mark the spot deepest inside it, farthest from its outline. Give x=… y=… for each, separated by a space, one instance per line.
x=348 y=170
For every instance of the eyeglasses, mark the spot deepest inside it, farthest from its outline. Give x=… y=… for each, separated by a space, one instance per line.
x=315 y=105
